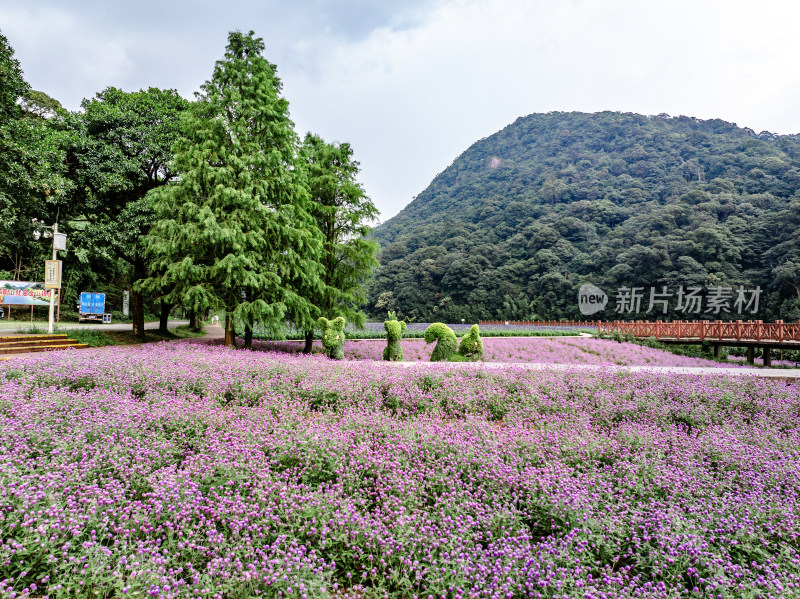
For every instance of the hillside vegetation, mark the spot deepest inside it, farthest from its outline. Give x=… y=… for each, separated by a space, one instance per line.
x=523 y=218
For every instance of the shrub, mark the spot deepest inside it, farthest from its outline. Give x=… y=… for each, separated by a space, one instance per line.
x=446 y=341
x=333 y=337
x=471 y=347
x=90 y=337
x=394 y=333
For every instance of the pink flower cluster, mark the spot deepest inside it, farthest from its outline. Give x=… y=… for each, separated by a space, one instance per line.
x=542 y=350
x=190 y=470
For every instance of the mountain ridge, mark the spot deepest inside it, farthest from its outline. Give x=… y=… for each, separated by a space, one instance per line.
x=582 y=187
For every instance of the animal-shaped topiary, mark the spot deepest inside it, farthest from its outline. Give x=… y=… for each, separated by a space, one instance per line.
x=471 y=347
x=333 y=336
x=447 y=342
x=394 y=332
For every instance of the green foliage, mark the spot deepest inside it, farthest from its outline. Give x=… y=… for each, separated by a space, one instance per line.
x=446 y=341
x=333 y=336
x=121 y=149
x=90 y=337
x=394 y=333
x=523 y=218
x=12 y=84
x=471 y=346
x=186 y=331
x=234 y=231
x=342 y=212
x=407 y=334
x=32 y=181
x=38 y=105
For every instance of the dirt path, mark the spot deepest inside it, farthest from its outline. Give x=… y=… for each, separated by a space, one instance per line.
x=214 y=331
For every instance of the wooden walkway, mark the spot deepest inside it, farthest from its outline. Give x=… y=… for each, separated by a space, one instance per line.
x=755 y=331
x=736 y=333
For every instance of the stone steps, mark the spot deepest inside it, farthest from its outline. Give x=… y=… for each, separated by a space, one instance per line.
x=22 y=344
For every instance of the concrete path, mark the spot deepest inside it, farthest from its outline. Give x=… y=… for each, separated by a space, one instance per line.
x=768 y=373
x=214 y=331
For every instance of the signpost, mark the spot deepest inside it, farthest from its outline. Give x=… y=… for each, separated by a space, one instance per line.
x=52 y=267
x=52 y=274
x=62 y=242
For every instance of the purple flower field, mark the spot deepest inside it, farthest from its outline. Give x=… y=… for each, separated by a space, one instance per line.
x=191 y=470
x=544 y=350
x=461 y=329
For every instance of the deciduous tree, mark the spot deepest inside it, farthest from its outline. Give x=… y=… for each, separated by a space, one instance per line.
x=32 y=182
x=122 y=150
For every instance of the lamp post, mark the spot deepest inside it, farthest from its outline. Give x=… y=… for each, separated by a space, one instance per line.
x=59 y=243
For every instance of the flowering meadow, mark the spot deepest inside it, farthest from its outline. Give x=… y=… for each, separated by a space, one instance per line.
x=543 y=350
x=376 y=330
x=498 y=329
x=189 y=470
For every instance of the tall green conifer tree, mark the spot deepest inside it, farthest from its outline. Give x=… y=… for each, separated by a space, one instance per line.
x=343 y=213
x=234 y=232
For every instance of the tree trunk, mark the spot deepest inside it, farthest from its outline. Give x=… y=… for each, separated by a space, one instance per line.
x=309 y=342
x=163 y=321
x=248 y=324
x=248 y=336
x=137 y=300
x=230 y=332
x=194 y=320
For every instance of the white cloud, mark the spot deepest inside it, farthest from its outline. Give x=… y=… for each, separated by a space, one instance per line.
x=60 y=52
x=410 y=101
x=411 y=89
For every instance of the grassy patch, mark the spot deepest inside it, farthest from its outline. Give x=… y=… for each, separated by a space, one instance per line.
x=101 y=338
x=90 y=337
x=154 y=335
x=186 y=332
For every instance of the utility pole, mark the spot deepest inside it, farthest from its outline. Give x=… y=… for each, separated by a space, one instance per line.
x=59 y=243
x=53 y=291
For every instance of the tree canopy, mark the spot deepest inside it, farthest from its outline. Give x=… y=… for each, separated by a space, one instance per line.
x=210 y=205
x=234 y=230
x=121 y=149
x=342 y=212
x=32 y=170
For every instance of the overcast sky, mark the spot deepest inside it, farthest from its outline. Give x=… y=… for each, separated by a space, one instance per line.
x=411 y=84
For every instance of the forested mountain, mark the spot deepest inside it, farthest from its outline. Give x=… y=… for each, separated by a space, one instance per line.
x=523 y=218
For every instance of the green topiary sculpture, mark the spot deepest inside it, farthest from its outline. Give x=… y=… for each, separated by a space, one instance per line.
x=471 y=347
x=333 y=336
x=394 y=332
x=447 y=343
